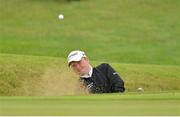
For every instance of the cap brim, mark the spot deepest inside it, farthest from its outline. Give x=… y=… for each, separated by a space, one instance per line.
x=74 y=59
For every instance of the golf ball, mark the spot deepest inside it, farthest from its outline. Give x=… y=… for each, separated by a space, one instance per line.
x=61 y=16
x=140 y=89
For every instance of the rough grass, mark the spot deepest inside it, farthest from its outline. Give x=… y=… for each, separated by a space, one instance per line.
x=165 y=104
x=38 y=75
x=125 y=31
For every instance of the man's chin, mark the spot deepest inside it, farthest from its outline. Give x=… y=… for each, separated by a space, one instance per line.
x=81 y=74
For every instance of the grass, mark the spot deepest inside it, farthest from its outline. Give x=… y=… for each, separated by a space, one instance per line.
x=145 y=32
x=107 y=104
x=37 y=75
x=140 y=39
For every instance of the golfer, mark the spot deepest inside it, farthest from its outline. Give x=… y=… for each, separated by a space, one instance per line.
x=100 y=79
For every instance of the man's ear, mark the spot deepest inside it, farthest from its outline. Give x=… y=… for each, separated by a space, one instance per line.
x=86 y=58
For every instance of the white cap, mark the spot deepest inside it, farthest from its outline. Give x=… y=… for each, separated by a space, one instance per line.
x=76 y=55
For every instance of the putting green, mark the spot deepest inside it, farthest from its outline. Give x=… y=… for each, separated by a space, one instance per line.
x=106 y=104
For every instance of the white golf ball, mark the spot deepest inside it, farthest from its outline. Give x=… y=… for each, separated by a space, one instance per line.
x=61 y=16
x=140 y=89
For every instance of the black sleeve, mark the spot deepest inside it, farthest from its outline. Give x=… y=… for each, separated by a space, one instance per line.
x=117 y=84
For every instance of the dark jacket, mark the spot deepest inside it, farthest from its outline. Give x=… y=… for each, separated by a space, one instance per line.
x=104 y=80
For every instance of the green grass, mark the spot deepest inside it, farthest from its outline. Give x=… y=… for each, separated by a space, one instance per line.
x=36 y=75
x=139 y=38
x=125 y=31
x=106 y=104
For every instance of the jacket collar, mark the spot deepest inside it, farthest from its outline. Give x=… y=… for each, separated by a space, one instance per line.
x=89 y=74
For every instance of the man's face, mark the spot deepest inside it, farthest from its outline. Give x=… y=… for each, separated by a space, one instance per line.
x=81 y=67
